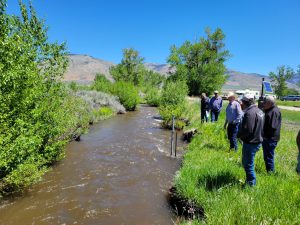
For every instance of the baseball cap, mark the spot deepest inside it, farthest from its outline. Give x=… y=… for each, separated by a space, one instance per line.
x=230 y=94
x=216 y=92
x=247 y=97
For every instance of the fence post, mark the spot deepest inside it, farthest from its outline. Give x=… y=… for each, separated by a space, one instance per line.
x=175 y=143
x=172 y=136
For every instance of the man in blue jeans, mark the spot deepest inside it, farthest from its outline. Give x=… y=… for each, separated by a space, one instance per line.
x=215 y=105
x=234 y=115
x=271 y=134
x=250 y=132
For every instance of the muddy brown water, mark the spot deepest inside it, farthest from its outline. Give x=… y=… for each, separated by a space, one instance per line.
x=119 y=173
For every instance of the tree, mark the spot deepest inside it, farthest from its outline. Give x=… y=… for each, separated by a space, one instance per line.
x=31 y=96
x=292 y=91
x=131 y=67
x=101 y=83
x=279 y=79
x=153 y=79
x=201 y=64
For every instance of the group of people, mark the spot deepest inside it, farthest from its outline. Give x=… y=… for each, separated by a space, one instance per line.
x=213 y=105
x=254 y=127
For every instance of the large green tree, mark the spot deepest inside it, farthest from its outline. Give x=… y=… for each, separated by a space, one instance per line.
x=131 y=68
x=31 y=96
x=201 y=64
x=279 y=79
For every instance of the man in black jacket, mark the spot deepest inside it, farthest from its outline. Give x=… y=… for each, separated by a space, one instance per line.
x=271 y=135
x=204 y=107
x=250 y=132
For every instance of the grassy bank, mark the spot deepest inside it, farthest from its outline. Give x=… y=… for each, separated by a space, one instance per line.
x=213 y=177
x=289 y=103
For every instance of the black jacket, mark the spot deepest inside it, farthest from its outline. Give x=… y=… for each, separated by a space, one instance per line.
x=204 y=104
x=251 y=127
x=272 y=124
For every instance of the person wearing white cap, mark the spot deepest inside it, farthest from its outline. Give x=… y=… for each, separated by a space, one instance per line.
x=215 y=105
x=234 y=115
x=250 y=132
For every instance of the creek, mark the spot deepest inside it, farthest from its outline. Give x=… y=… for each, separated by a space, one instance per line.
x=119 y=173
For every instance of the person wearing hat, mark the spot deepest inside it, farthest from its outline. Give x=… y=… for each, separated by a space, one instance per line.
x=215 y=105
x=234 y=115
x=271 y=132
x=250 y=132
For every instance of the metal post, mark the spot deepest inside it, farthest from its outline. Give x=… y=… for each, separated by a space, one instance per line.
x=175 y=143
x=262 y=88
x=172 y=136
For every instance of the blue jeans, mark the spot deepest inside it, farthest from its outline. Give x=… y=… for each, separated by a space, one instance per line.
x=214 y=115
x=269 y=153
x=249 y=151
x=204 y=116
x=232 y=131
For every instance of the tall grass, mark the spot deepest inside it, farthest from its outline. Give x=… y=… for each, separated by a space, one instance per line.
x=213 y=177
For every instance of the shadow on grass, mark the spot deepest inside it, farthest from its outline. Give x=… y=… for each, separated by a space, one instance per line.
x=212 y=146
x=218 y=181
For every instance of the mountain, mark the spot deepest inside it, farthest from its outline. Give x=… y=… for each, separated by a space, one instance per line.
x=164 y=69
x=239 y=80
x=83 y=68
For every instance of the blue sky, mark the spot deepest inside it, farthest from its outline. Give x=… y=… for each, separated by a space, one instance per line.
x=260 y=34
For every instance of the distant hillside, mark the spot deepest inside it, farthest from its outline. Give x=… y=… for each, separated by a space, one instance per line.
x=83 y=68
x=164 y=69
x=240 y=80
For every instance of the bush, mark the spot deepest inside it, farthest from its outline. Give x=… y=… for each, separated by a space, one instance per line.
x=101 y=83
x=127 y=94
x=103 y=113
x=173 y=101
x=152 y=97
x=96 y=100
x=73 y=86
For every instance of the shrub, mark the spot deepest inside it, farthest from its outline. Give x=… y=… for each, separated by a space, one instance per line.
x=96 y=100
x=174 y=93
x=173 y=101
x=73 y=86
x=103 y=113
x=152 y=97
x=101 y=83
x=127 y=94
x=31 y=99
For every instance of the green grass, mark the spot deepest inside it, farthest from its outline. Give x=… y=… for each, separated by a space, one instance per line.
x=103 y=113
x=288 y=103
x=213 y=177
